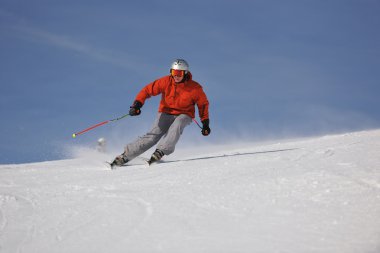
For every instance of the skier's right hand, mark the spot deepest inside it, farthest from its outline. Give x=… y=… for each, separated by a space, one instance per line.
x=135 y=109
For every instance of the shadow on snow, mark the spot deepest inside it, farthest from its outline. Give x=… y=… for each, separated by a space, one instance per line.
x=229 y=155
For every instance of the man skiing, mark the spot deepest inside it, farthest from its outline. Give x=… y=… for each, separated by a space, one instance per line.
x=179 y=95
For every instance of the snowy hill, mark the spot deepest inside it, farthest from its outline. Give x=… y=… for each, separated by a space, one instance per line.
x=310 y=195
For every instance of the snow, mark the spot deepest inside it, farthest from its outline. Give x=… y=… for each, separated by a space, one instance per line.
x=307 y=195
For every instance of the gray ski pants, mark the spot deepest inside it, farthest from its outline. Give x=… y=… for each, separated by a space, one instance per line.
x=165 y=131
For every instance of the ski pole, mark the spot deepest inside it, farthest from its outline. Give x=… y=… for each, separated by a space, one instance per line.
x=98 y=125
x=196 y=122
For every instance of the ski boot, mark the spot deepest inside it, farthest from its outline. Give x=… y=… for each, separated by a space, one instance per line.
x=119 y=161
x=156 y=156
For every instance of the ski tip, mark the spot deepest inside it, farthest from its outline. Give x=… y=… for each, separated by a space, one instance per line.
x=149 y=162
x=154 y=161
x=111 y=165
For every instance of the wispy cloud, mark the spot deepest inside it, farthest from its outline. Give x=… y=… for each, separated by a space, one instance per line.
x=120 y=59
x=19 y=27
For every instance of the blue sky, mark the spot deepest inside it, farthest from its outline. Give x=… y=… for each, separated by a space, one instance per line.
x=271 y=69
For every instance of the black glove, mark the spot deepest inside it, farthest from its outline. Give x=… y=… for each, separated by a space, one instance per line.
x=205 y=128
x=135 y=108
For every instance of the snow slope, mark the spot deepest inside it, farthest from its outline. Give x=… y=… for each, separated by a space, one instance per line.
x=310 y=195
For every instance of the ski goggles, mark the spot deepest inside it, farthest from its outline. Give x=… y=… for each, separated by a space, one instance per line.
x=177 y=72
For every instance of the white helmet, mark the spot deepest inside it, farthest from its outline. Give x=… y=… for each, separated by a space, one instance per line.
x=180 y=64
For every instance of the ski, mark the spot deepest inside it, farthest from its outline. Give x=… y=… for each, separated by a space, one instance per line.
x=114 y=166
x=111 y=165
x=153 y=161
x=149 y=162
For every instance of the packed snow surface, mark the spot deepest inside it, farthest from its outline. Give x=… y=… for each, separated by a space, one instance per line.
x=311 y=195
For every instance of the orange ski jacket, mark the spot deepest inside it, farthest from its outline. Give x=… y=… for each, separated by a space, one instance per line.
x=177 y=98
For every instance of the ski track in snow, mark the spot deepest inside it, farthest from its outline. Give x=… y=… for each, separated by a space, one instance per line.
x=309 y=195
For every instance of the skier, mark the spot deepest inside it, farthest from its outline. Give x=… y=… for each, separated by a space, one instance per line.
x=179 y=94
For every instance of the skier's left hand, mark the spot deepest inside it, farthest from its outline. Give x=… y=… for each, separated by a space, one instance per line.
x=206 y=128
